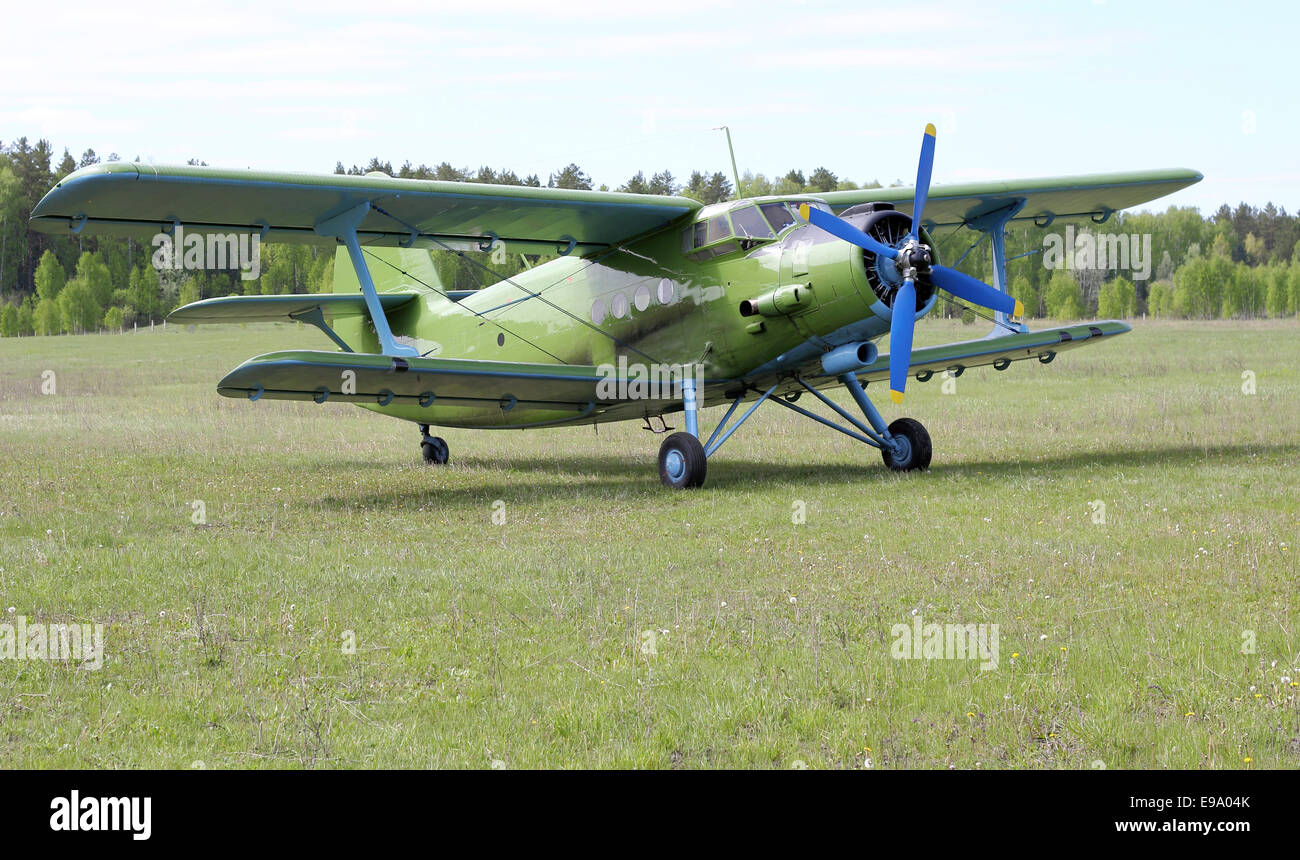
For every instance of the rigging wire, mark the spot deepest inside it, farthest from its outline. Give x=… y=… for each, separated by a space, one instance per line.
x=459 y=305
x=983 y=235
x=530 y=293
x=971 y=308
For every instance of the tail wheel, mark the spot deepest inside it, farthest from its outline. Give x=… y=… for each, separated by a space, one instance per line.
x=682 y=464
x=913 y=446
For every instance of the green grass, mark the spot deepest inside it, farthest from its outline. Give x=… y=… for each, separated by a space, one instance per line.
x=522 y=643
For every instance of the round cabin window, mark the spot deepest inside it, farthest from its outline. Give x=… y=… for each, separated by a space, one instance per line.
x=665 y=292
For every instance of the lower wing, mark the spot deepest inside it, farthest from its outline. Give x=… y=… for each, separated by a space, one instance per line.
x=998 y=351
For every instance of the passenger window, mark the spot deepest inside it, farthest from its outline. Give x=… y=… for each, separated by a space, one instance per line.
x=749 y=224
x=778 y=215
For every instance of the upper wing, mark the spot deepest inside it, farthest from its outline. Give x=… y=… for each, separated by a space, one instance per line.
x=1096 y=195
x=141 y=200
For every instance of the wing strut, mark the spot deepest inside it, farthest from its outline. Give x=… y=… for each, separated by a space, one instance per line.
x=343 y=227
x=995 y=225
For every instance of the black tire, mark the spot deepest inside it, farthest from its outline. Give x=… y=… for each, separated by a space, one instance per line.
x=682 y=464
x=916 y=452
x=435 y=451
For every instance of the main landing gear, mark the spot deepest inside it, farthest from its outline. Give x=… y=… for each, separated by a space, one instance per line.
x=911 y=448
x=682 y=462
x=434 y=448
x=683 y=459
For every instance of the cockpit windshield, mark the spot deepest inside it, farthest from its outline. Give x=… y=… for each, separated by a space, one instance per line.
x=750 y=223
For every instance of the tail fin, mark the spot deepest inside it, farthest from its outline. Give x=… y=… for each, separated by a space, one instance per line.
x=392 y=269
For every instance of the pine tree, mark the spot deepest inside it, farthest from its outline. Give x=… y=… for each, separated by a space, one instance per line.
x=636 y=185
x=570 y=176
x=822 y=179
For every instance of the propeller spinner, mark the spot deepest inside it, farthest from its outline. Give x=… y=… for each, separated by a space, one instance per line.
x=913 y=258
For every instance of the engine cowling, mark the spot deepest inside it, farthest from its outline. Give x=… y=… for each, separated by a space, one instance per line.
x=886 y=224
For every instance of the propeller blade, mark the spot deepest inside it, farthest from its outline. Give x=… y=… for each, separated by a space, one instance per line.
x=900 y=339
x=842 y=229
x=976 y=292
x=923 y=170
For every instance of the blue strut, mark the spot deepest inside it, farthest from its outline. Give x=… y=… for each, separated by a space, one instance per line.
x=343 y=227
x=995 y=225
x=690 y=406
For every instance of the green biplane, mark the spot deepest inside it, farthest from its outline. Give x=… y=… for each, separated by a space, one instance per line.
x=653 y=306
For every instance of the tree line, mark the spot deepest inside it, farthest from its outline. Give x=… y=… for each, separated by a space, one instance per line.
x=1236 y=263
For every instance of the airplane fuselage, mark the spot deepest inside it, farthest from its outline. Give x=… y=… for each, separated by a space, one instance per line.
x=691 y=294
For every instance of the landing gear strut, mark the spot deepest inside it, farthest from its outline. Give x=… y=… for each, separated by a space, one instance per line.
x=683 y=459
x=434 y=448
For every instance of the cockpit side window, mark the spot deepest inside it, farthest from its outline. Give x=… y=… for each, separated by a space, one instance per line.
x=708 y=238
x=719 y=229
x=701 y=234
x=707 y=232
x=750 y=224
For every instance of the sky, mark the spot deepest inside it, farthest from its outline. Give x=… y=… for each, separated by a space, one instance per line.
x=1015 y=89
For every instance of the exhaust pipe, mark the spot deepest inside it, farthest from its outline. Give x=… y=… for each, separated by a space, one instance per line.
x=779 y=302
x=849 y=358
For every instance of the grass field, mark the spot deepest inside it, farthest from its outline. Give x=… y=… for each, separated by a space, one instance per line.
x=609 y=622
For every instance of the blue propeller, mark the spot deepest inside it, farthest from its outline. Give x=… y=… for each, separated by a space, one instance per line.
x=924 y=167
x=912 y=259
x=900 y=338
x=975 y=291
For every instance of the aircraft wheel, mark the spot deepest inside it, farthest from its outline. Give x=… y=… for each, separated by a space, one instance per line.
x=682 y=463
x=435 y=450
x=914 y=449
